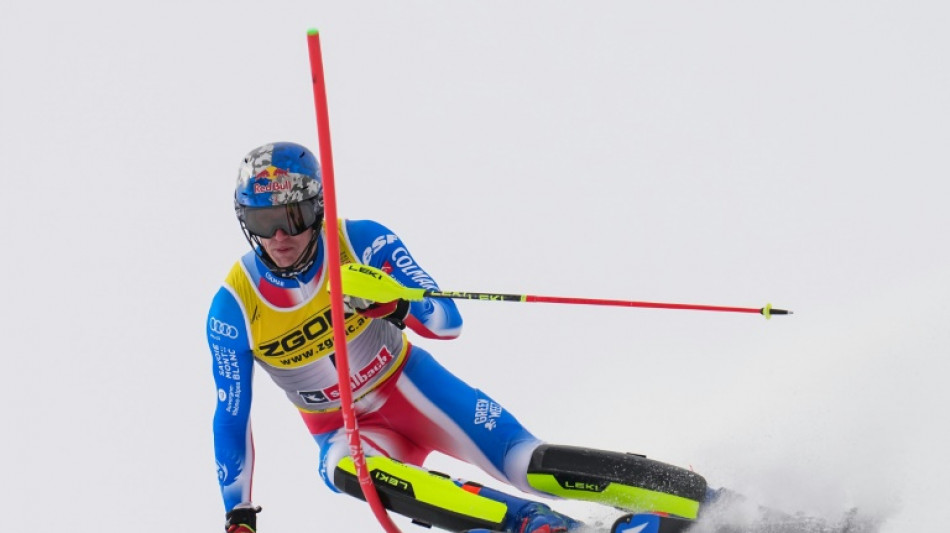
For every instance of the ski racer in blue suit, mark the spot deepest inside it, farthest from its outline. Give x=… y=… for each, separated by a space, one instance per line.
x=273 y=310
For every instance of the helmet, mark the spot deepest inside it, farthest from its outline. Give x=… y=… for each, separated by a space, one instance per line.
x=279 y=186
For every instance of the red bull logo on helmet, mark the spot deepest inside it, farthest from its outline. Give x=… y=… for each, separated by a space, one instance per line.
x=273 y=186
x=271 y=172
x=263 y=183
x=278 y=178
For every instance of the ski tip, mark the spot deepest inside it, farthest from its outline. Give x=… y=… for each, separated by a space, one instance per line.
x=313 y=31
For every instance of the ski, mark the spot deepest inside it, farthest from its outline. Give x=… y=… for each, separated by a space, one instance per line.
x=650 y=523
x=634 y=523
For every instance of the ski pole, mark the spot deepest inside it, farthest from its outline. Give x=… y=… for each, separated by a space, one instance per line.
x=336 y=293
x=371 y=283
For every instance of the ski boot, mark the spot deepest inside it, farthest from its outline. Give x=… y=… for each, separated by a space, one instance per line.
x=535 y=518
x=539 y=518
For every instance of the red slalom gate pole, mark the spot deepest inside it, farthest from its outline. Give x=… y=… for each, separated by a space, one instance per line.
x=336 y=286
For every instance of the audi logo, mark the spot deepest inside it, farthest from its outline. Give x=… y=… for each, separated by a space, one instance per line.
x=222 y=328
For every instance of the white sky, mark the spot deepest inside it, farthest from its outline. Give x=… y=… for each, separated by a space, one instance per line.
x=728 y=153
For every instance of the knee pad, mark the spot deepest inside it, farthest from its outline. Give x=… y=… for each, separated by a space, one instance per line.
x=627 y=481
x=427 y=497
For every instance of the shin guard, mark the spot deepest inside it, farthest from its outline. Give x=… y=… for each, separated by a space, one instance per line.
x=625 y=481
x=426 y=497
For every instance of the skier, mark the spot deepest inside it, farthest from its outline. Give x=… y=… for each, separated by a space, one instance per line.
x=274 y=308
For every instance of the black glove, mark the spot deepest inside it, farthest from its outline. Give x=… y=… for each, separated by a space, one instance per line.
x=242 y=520
x=395 y=311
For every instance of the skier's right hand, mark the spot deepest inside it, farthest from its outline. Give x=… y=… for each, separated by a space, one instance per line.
x=242 y=519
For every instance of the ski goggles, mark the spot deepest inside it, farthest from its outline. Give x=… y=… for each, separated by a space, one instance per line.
x=293 y=219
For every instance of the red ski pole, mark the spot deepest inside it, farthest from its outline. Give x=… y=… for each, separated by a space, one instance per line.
x=336 y=287
x=372 y=283
x=766 y=311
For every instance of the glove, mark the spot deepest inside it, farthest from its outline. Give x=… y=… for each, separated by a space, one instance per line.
x=395 y=311
x=242 y=519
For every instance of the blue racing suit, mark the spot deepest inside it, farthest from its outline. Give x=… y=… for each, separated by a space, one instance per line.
x=406 y=403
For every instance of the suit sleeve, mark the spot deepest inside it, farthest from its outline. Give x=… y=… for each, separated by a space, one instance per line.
x=376 y=245
x=233 y=367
